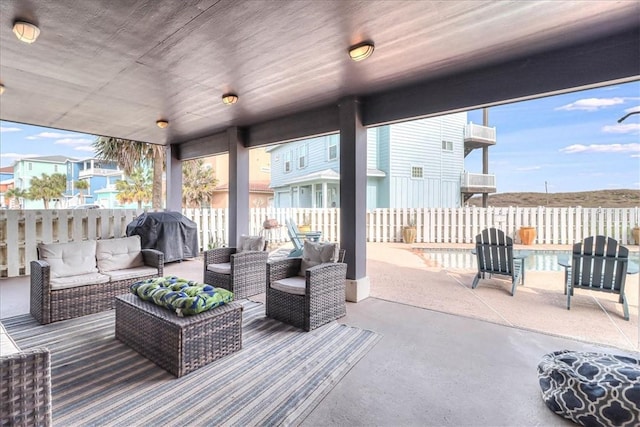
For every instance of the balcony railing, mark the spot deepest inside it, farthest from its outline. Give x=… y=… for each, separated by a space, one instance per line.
x=98 y=172
x=470 y=180
x=474 y=132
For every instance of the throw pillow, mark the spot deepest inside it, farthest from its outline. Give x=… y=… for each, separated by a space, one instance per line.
x=185 y=297
x=251 y=243
x=314 y=253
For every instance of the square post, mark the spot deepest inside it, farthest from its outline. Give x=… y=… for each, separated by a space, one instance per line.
x=238 y=186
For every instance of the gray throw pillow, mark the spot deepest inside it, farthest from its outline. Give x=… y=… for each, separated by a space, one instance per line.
x=315 y=253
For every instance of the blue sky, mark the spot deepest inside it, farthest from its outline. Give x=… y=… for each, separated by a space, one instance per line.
x=572 y=142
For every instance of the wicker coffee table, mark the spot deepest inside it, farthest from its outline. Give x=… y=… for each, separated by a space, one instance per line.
x=178 y=344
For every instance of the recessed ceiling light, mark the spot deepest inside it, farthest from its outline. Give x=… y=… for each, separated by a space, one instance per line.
x=361 y=51
x=229 y=98
x=1 y=88
x=25 y=31
x=162 y=124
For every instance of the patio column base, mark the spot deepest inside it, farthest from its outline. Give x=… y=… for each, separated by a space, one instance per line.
x=358 y=289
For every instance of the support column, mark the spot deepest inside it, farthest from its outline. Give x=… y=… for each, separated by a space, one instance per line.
x=174 y=179
x=238 y=186
x=353 y=197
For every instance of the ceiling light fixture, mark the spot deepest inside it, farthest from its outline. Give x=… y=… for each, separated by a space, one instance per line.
x=162 y=124
x=25 y=31
x=1 y=88
x=229 y=98
x=361 y=51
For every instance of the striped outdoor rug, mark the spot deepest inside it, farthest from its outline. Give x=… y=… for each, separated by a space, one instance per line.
x=277 y=378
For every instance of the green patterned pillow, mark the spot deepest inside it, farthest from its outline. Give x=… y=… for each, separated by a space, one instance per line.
x=185 y=297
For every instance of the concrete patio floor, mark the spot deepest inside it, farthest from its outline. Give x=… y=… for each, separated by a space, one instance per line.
x=449 y=355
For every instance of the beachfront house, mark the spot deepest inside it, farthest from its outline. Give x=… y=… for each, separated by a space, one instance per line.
x=414 y=164
x=99 y=174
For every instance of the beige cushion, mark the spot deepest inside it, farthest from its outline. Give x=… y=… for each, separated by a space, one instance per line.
x=119 y=254
x=292 y=285
x=79 y=280
x=132 y=273
x=315 y=253
x=7 y=345
x=222 y=268
x=69 y=259
x=251 y=243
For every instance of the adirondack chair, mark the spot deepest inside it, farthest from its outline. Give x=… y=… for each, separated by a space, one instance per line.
x=599 y=263
x=494 y=253
x=297 y=238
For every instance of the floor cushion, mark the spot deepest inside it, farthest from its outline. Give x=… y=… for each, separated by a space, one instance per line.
x=591 y=389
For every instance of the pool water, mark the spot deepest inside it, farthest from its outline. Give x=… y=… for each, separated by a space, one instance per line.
x=541 y=260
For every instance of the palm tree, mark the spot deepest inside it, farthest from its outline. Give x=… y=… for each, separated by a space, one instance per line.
x=81 y=185
x=47 y=187
x=16 y=194
x=198 y=183
x=136 y=188
x=132 y=154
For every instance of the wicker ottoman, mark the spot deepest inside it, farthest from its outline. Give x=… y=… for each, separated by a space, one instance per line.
x=178 y=344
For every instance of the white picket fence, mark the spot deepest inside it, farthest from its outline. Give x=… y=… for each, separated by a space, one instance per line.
x=22 y=230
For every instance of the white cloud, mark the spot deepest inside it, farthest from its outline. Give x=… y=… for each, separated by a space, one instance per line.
x=17 y=156
x=635 y=155
x=55 y=135
x=9 y=129
x=622 y=128
x=601 y=148
x=73 y=141
x=632 y=109
x=84 y=148
x=529 y=168
x=591 y=104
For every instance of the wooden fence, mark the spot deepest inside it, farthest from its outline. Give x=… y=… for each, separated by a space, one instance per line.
x=22 y=230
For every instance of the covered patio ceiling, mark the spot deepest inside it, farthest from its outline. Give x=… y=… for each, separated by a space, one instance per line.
x=115 y=67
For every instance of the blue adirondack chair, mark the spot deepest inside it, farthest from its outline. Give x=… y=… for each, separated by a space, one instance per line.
x=297 y=238
x=494 y=253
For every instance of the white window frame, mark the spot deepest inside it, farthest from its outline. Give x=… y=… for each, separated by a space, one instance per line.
x=447 y=145
x=303 y=156
x=331 y=144
x=286 y=162
x=415 y=168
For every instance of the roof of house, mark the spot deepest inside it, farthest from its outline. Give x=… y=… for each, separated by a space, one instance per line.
x=254 y=187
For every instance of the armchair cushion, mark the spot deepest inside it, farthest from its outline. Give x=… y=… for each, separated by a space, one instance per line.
x=314 y=253
x=251 y=243
x=131 y=273
x=292 y=285
x=69 y=259
x=222 y=268
x=119 y=254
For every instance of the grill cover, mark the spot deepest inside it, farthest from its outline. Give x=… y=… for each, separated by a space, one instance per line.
x=172 y=233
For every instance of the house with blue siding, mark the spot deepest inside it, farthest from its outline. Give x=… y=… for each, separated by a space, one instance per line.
x=412 y=164
x=100 y=175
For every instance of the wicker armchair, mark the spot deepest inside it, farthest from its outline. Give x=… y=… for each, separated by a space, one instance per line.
x=243 y=273
x=25 y=385
x=324 y=293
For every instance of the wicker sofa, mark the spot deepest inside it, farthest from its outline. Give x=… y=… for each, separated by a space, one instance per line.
x=25 y=384
x=78 y=278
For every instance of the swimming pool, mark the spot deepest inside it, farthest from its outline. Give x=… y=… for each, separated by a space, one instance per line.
x=538 y=260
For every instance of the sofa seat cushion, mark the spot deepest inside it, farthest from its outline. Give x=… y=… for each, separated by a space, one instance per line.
x=222 y=268
x=7 y=344
x=132 y=273
x=292 y=285
x=119 y=254
x=69 y=259
x=58 y=283
x=591 y=389
x=184 y=297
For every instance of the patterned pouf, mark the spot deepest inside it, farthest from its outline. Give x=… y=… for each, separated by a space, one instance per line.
x=592 y=389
